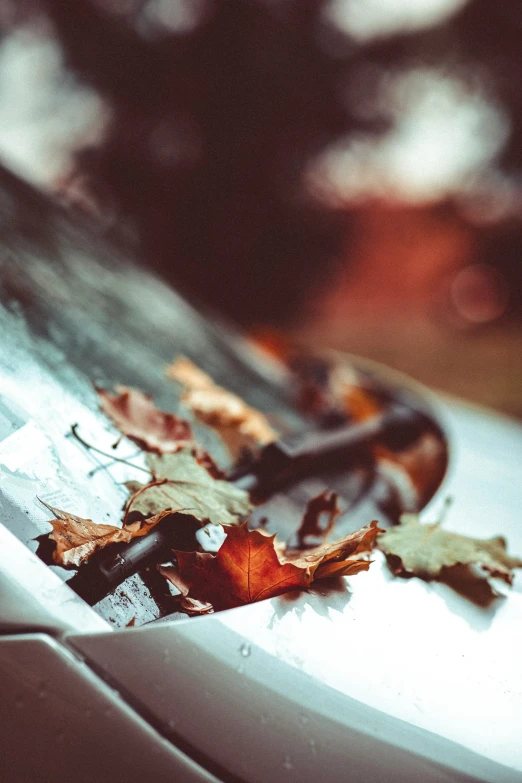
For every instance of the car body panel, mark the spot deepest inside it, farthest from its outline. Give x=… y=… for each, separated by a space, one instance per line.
x=398 y=658
x=61 y=722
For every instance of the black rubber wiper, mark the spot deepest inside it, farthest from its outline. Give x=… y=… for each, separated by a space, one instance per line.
x=289 y=459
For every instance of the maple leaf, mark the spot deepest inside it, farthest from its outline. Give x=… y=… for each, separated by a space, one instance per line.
x=189 y=605
x=325 y=503
x=340 y=558
x=182 y=484
x=239 y=425
x=77 y=539
x=249 y=568
x=135 y=415
x=426 y=550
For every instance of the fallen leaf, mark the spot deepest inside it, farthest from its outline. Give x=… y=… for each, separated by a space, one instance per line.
x=182 y=484
x=325 y=503
x=204 y=459
x=248 y=568
x=425 y=550
x=135 y=415
x=340 y=558
x=415 y=472
x=193 y=607
x=77 y=539
x=239 y=425
x=357 y=401
x=328 y=384
x=327 y=387
x=189 y=605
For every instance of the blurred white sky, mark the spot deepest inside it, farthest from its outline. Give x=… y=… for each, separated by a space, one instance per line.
x=443 y=134
x=443 y=131
x=367 y=19
x=43 y=112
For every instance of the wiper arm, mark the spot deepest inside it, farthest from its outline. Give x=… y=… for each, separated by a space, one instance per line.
x=279 y=464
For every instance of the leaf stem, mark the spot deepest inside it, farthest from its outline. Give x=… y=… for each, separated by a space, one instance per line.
x=155 y=483
x=90 y=447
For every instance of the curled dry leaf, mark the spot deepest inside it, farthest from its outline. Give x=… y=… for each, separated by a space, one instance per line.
x=325 y=503
x=328 y=384
x=239 y=425
x=357 y=401
x=206 y=460
x=248 y=567
x=135 y=415
x=426 y=550
x=340 y=558
x=182 y=484
x=329 y=387
x=77 y=539
x=413 y=473
x=189 y=605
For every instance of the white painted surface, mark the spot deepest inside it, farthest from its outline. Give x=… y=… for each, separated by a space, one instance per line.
x=417 y=650
x=361 y=674
x=373 y=669
x=33 y=597
x=62 y=723
x=266 y=721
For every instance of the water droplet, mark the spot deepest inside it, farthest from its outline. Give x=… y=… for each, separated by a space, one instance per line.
x=263 y=719
x=310 y=559
x=245 y=650
x=172 y=723
x=304 y=719
x=240 y=669
x=313 y=747
x=42 y=692
x=287 y=763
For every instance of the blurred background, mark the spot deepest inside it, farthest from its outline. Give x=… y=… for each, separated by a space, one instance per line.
x=342 y=173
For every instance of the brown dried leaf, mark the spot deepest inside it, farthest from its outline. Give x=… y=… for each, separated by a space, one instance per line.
x=182 y=484
x=415 y=472
x=194 y=607
x=340 y=558
x=189 y=605
x=327 y=387
x=135 y=415
x=239 y=425
x=325 y=503
x=204 y=459
x=247 y=567
x=426 y=550
x=77 y=539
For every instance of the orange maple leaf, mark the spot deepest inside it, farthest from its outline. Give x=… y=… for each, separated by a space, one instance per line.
x=249 y=568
